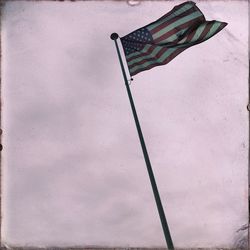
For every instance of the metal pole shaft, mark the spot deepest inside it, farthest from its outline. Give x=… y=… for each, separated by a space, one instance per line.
x=166 y=231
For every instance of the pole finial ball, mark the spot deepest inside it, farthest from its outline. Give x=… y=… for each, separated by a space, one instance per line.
x=114 y=36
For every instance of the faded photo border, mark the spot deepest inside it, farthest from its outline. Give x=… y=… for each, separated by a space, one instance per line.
x=241 y=244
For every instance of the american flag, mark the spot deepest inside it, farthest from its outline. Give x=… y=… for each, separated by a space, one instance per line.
x=159 y=42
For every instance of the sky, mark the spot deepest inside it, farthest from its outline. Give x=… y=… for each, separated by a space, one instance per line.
x=72 y=165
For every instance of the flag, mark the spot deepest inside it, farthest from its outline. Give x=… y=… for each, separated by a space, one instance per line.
x=159 y=42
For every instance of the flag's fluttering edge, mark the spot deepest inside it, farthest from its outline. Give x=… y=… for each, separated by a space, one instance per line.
x=159 y=42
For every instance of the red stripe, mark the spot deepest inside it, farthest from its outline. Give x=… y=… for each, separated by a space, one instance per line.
x=222 y=25
x=158 y=55
x=150 y=49
x=173 y=11
x=168 y=59
x=173 y=55
x=205 y=31
x=190 y=36
x=168 y=22
x=176 y=29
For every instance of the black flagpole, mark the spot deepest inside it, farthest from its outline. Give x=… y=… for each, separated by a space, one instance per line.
x=114 y=36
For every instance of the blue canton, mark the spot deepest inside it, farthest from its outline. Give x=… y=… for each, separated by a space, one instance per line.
x=136 y=40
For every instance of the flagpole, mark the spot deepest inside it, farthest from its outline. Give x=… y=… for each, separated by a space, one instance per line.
x=114 y=36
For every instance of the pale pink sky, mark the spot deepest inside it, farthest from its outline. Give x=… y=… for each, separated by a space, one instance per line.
x=73 y=169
